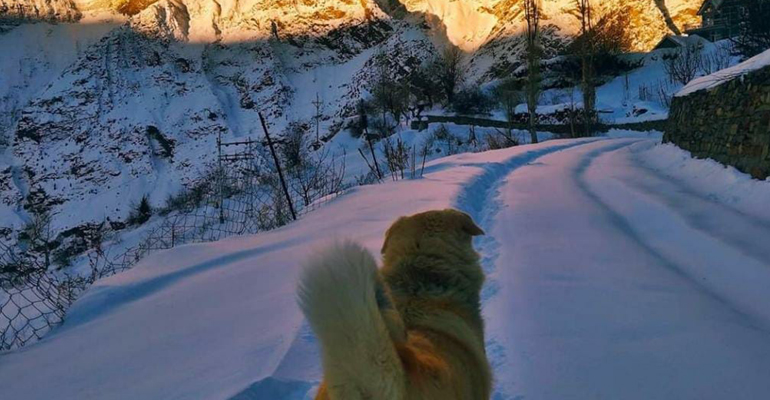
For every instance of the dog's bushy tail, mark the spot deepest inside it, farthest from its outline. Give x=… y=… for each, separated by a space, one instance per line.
x=350 y=310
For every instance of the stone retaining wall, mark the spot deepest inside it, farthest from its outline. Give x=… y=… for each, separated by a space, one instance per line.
x=729 y=123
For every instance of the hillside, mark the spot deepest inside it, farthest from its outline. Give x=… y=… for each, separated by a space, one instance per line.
x=188 y=71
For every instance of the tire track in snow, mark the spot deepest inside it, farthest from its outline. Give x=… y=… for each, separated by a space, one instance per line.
x=685 y=187
x=480 y=198
x=624 y=225
x=731 y=226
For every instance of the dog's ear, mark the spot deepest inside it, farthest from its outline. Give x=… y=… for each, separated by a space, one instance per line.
x=385 y=243
x=388 y=234
x=468 y=226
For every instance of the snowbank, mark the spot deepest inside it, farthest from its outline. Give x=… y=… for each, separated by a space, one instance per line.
x=711 y=179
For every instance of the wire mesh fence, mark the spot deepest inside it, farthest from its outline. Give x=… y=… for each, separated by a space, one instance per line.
x=242 y=194
x=32 y=304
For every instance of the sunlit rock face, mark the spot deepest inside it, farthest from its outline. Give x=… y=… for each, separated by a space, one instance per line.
x=647 y=22
x=490 y=30
x=466 y=24
x=470 y=24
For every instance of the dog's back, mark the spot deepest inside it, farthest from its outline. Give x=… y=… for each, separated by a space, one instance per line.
x=393 y=334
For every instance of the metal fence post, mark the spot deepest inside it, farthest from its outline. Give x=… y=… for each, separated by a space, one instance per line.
x=278 y=167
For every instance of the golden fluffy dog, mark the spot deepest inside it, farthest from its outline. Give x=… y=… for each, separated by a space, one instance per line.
x=410 y=331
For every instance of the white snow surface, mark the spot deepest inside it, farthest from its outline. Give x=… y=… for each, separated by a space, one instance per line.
x=707 y=82
x=616 y=268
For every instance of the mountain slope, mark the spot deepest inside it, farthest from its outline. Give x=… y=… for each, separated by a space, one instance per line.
x=97 y=119
x=140 y=111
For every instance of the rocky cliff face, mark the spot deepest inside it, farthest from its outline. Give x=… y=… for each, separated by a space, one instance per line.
x=491 y=29
x=94 y=121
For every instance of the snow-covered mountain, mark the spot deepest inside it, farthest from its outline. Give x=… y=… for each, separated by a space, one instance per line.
x=124 y=98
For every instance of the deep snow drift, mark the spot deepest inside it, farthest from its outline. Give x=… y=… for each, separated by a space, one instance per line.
x=617 y=268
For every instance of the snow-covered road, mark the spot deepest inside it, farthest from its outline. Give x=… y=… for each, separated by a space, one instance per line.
x=622 y=284
x=608 y=278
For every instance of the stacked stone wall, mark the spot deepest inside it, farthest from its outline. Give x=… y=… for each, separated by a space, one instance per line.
x=729 y=123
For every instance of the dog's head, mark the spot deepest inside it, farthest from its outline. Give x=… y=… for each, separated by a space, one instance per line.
x=443 y=231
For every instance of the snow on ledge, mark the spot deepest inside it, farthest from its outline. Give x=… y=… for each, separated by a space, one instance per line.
x=717 y=78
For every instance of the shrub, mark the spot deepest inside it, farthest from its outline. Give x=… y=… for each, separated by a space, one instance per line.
x=294 y=147
x=444 y=138
x=500 y=141
x=141 y=212
x=471 y=101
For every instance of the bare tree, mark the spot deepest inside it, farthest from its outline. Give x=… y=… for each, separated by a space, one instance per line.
x=508 y=96
x=388 y=95
x=318 y=104
x=754 y=36
x=685 y=64
x=448 y=71
x=317 y=176
x=664 y=93
x=363 y=126
x=718 y=59
x=572 y=112
x=583 y=12
x=422 y=89
x=534 y=50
